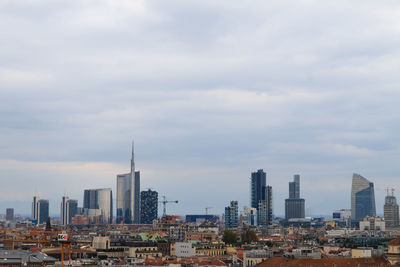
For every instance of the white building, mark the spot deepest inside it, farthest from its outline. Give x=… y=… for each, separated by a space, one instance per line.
x=372 y=223
x=184 y=249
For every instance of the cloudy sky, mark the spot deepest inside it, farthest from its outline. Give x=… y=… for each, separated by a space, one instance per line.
x=210 y=91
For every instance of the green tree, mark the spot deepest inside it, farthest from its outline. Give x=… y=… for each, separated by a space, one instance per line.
x=249 y=236
x=229 y=237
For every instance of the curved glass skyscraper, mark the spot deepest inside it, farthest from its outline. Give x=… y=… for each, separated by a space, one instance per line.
x=362 y=198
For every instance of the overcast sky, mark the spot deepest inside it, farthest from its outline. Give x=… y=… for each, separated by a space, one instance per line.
x=209 y=90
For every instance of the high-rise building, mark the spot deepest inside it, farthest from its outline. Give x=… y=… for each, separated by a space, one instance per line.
x=232 y=215
x=294 y=205
x=294 y=187
x=10 y=214
x=72 y=208
x=362 y=198
x=97 y=203
x=42 y=211
x=391 y=210
x=148 y=206
x=249 y=216
x=34 y=207
x=128 y=195
x=258 y=182
x=264 y=211
x=69 y=208
x=64 y=211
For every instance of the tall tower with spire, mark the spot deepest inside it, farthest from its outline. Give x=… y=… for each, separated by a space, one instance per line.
x=128 y=194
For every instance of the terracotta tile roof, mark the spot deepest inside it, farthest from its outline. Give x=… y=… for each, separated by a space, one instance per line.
x=395 y=242
x=325 y=262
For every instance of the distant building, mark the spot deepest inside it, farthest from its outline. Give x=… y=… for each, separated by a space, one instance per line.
x=372 y=223
x=34 y=208
x=258 y=182
x=42 y=211
x=64 y=211
x=294 y=205
x=264 y=213
x=10 y=214
x=231 y=215
x=249 y=216
x=391 y=211
x=341 y=215
x=128 y=195
x=362 y=198
x=201 y=218
x=69 y=208
x=184 y=249
x=148 y=206
x=97 y=203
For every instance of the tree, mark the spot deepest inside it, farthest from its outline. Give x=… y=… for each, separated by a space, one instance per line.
x=229 y=237
x=249 y=236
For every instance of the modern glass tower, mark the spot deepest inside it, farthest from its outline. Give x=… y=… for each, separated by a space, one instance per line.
x=258 y=182
x=362 y=198
x=128 y=195
x=391 y=210
x=232 y=215
x=98 y=203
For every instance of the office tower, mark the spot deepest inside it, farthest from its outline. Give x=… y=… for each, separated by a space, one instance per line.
x=362 y=198
x=34 y=207
x=294 y=187
x=258 y=182
x=231 y=215
x=249 y=216
x=391 y=210
x=97 y=203
x=128 y=195
x=42 y=211
x=69 y=208
x=64 y=211
x=148 y=206
x=264 y=212
x=294 y=205
x=10 y=214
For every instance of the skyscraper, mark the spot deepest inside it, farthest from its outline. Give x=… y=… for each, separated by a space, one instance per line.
x=258 y=182
x=294 y=205
x=10 y=214
x=42 y=211
x=64 y=211
x=98 y=203
x=148 y=206
x=34 y=207
x=232 y=215
x=362 y=198
x=69 y=208
x=265 y=213
x=391 y=210
x=128 y=195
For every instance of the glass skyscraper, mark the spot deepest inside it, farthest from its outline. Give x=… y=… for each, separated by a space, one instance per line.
x=294 y=205
x=362 y=198
x=148 y=206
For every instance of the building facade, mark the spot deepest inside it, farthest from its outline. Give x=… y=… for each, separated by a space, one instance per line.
x=42 y=211
x=391 y=211
x=128 y=195
x=10 y=214
x=97 y=205
x=362 y=198
x=232 y=215
x=294 y=205
x=148 y=206
x=258 y=182
x=265 y=212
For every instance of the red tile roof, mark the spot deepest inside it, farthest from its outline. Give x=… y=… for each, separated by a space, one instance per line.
x=324 y=262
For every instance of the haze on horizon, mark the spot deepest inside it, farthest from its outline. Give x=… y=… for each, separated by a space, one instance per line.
x=210 y=91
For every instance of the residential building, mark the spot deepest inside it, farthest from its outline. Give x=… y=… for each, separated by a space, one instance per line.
x=249 y=216
x=265 y=213
x=231 y=215
x=294 y=205
x=128 y=195
x=362 y=198
x=148 y=206
x=258 y=182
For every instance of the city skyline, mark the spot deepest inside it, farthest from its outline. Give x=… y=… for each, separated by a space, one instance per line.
x=209 y=93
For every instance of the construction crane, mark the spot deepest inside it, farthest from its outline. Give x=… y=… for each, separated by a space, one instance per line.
x=165 y=202
x=207 y=208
